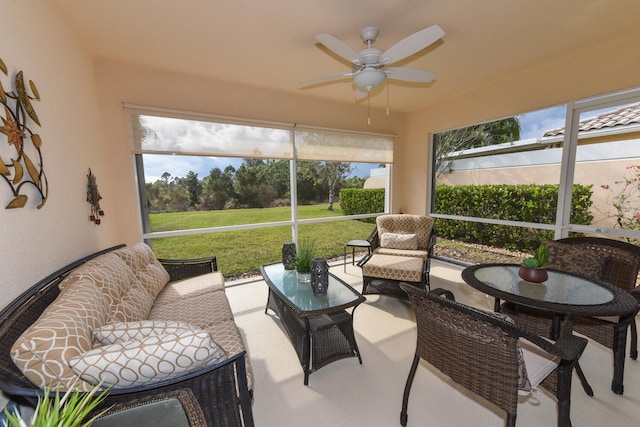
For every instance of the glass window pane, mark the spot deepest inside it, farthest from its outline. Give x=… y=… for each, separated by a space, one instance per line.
x=320 y=185
x=494 y=160
x=214 y=191
x=608 y=160
x=238 y=252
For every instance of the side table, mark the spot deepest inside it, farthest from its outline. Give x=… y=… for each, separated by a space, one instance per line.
x=353 y=244
x=174 y=409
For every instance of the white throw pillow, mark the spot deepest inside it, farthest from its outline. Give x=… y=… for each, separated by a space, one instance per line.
x=150 y=360
x=119 y=332
x=399 y=241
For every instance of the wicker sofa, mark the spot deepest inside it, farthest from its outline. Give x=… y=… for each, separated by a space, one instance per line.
x=144 y=327
x=401 y=249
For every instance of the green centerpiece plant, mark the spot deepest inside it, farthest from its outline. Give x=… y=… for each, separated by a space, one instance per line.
x=306 y=251
x=539 y=259
x=532 y=268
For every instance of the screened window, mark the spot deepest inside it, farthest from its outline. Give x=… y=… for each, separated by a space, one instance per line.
x=514 y=182
x=207 y=183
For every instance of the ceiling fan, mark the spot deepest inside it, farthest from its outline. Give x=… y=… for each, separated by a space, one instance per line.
x=371 y=65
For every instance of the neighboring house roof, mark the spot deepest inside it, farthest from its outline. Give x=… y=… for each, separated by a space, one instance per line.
x=620 y=117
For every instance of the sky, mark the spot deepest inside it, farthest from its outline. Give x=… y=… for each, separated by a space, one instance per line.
x=171 y=135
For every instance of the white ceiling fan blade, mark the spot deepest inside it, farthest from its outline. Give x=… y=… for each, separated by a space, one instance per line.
x=321 y=79
x=340 y=48
x=412 y=44
x=409 y=74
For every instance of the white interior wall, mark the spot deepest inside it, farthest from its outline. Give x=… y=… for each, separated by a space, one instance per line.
x=35 y=242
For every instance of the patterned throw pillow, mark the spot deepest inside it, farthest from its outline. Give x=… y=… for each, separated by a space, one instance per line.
x=152 y=359
x=575 y=259
x=399 y=241
x=119 y=332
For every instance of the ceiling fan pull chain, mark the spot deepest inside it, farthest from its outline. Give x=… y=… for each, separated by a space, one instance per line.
x=369 y=108
x=387 y=98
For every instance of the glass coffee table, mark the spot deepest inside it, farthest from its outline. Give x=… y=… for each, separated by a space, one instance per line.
x=319 y=326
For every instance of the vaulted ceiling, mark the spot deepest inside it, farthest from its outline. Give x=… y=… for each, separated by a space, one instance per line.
x=270 y=43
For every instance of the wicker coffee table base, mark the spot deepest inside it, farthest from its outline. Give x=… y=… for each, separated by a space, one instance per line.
x=318 y=340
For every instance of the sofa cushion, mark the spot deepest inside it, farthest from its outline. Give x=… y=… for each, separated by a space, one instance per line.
x=62 y=332
x=399 y=241
x=191 y=287
x=134 y=305
x=200 y=310
x=152 y=359
x=119 y=332
x=145 y=267
x=129 y=298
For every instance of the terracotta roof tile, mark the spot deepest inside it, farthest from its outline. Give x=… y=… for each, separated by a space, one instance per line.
x=622 y=116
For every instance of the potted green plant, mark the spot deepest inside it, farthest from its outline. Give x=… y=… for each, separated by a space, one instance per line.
x=532 y=268
x=305 y=253
x=72 y=409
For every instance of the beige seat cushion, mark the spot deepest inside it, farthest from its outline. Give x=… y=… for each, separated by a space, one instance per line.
x=407 y=269
x=191 y=287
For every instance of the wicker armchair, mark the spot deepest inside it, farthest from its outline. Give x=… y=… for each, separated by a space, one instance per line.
x=479 y=350
x=401 y=250
x=611 y=261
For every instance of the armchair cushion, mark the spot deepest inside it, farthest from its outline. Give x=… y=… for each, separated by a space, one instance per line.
x=399 y=241
x=407 y=224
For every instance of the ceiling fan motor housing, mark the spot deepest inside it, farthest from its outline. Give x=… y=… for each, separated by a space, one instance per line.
x=369 y=34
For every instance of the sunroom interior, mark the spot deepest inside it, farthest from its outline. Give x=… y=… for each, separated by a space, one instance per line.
x=94 y=63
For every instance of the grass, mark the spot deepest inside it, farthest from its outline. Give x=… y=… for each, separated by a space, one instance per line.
x=246 y=250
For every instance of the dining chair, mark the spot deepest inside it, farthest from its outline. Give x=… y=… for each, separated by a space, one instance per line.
x=612 y=261
x=482 y=352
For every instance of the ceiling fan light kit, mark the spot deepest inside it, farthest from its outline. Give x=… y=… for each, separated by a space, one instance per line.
x=370 y=64
x=369 y=78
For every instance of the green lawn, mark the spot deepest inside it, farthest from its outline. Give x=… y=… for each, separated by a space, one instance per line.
x=244 y=251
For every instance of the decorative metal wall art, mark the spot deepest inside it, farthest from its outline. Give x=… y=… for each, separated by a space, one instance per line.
x=94 y=197
x=21 y=165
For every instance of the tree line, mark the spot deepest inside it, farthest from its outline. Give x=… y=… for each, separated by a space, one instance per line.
x=256 y=183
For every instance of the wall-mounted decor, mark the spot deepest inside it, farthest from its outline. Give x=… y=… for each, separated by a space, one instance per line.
x=21 y=165
x=93 y=197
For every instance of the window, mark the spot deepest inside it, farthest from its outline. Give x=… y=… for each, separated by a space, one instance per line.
x=212 y=185
x=581 y=168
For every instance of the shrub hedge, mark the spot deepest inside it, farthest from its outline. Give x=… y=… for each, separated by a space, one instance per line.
x=528 y=203
x=357 y=201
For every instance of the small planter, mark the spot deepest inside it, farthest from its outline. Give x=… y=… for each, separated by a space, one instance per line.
x=533 y=274
x=303 y=277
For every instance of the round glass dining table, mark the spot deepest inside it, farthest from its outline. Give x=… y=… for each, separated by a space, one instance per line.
x=561 y=293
